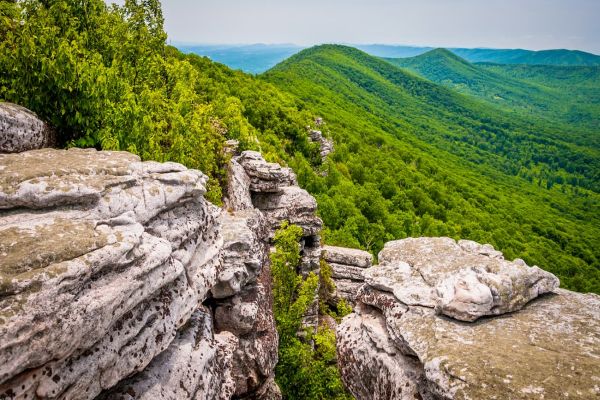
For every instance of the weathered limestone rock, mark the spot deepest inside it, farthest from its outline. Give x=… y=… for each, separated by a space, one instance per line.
x=105 y=258
x=275 y=192
x=346 y=256
x=197 y=365
x=326 y=145
x=247 y=313
x=22 y=130
x=244 y=251
x=348 y=266
x=106 y=262
x=397 y=345
x=461 y=280
x=292 y=204
x=265 y=177
x=238 y=188
x=368 y=355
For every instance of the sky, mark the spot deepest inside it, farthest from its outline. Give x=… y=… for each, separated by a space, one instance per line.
x=530 y=24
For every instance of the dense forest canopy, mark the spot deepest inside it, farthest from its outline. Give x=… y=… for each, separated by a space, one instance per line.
x=411 y=157
x=416 y=159
x=567 y=95
x=103 y=76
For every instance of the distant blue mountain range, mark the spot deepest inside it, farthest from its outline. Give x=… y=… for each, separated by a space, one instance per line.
x=258 y=58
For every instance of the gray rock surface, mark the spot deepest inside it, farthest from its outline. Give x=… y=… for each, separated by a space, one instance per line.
x=247 y=312
x=265 y=177
x=462 y=280
x=399 y=344
x=326 y=145
x=238 y=188
x=106 y=262
x=197 y=365
x=346 y=256
x=22 y=130
x=292 y=204
x=347 y=270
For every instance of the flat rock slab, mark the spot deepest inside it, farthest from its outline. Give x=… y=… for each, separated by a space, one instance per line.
x=347 y=256
x=550 y=349
x=462 y=280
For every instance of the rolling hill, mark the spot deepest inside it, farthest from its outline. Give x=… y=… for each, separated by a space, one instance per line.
x=497 y=56
x=416 y=158
x=520 y=56
x=258 y=58
x=254 y=58
x=566 y=94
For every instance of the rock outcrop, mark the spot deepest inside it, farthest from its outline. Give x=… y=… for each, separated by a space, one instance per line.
x=22 y=130
x=119 y=280
x=325 y=145
x=462 y=280
x=274 y=191
x=347 y=270
x=408 y=337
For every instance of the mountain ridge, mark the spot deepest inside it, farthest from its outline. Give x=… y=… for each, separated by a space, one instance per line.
x=383 y=119
x=495 y=84
x=259 y=57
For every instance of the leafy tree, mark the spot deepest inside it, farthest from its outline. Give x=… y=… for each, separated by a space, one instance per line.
x=302 y=372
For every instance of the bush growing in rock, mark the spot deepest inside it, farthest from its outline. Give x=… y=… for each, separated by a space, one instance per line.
x=302 y=372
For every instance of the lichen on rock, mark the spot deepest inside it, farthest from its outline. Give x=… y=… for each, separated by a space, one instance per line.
x=412 y=333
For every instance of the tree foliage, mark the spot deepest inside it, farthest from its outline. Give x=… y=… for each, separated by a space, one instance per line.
x=413 y=158
x=103 y=77
x=303 y=372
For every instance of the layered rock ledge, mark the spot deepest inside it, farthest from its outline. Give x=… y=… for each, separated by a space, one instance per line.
x=445 y=320
x=119 y=280
x=347 y=270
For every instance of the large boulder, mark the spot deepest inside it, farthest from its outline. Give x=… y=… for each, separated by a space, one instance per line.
x=22 y=130
x=403 y=343
x=462 y=280
x=106 y=264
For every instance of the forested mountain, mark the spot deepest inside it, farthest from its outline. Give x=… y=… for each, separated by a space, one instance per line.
x=499 y=56
x=258 y=58
x=567 y=94
x=252 y=58
x=520 y=56
x=414 y=158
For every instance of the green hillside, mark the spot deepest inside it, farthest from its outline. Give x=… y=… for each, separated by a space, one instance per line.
x=414 y=158
x=568 y=95
x=576 y=83
x=520 y=56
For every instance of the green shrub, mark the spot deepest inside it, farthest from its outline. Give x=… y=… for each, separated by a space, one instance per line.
x=302 y=372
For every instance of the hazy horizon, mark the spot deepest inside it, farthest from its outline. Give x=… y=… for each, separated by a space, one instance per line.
x=185 y=43
x=507 y=24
